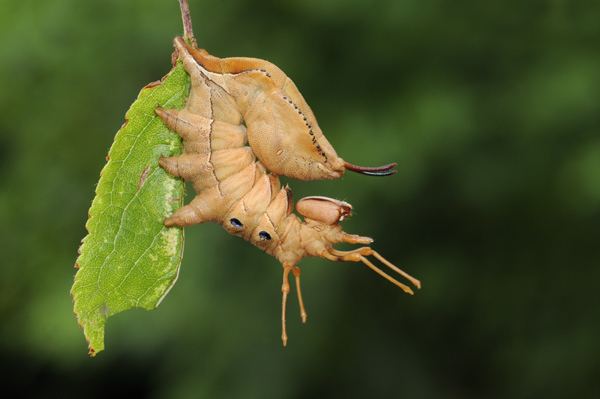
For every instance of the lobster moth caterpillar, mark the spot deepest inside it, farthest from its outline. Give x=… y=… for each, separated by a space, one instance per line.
x=244 y=124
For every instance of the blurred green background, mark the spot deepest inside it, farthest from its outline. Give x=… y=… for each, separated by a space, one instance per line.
x=491 y=109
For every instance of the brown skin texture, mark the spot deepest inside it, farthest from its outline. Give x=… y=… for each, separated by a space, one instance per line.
x=282 y=129
x=244 y=118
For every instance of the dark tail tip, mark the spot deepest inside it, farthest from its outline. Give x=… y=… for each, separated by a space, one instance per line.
x=385 y=170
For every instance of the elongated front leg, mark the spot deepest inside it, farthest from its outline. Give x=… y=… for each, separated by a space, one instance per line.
x=303 y=315
x=359 y=255
x=285 y=289
x=368 y=251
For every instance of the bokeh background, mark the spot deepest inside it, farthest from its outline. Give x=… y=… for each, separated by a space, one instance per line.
x=491 y=109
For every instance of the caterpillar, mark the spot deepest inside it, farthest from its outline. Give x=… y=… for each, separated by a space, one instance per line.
x=244 y=124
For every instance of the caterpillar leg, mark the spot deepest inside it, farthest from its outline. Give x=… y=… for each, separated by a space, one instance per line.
x=303 y=315
x=285 y=289
x=359 y=255
x=368 y=251
x=354 y=239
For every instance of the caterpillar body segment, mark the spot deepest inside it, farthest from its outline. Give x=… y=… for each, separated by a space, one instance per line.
x=282 y=129
x=244 y=124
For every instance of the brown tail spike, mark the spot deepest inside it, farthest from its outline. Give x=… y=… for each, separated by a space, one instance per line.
x=385 y=170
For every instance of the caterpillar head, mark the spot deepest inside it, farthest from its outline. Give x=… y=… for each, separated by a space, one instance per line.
x=322 y=231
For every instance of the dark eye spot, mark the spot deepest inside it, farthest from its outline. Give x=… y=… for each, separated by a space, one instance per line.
x=236 y=223
x=263 y=235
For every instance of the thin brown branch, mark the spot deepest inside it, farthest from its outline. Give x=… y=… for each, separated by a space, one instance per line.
x=186 y=17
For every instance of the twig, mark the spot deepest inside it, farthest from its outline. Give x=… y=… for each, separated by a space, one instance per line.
x=188 y=33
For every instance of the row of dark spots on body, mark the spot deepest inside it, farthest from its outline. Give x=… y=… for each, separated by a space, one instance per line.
x=265 y=72
x=262 y=235
x=309 y=126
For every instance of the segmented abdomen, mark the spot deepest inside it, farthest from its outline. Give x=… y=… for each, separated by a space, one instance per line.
x=232 y=187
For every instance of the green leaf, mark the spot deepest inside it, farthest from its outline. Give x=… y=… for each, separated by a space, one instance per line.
x=129 y=259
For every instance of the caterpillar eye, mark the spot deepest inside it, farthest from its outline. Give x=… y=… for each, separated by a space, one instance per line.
x=263 y=235
x=236 y=223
